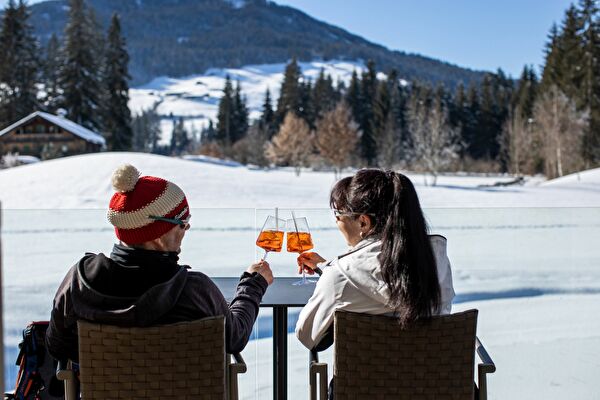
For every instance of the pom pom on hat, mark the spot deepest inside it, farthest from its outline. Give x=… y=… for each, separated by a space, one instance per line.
x=124 y=178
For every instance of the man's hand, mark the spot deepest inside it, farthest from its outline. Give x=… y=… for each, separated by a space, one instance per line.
x=308 y=261
x=263 y=268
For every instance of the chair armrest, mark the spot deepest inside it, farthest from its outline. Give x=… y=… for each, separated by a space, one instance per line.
x=239 y=366
x=486 y=366
x=317 y=368
x=64 y=372
x=233 y=369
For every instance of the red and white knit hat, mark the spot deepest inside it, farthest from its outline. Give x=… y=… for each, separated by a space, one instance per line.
x=137 y=198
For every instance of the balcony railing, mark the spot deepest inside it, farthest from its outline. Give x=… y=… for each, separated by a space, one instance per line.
x=534 y=273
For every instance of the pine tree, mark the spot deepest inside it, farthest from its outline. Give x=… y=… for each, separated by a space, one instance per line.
x=550 y=74
x=484 y=141
x=393 y=146
x=590 y=90
x=117 y=117
x=210 y=145
x=503 y=93
x=397 y=96
x=324 y=96
x=225 y=115
x=565 y=53
x=570 y=55
x=353 y=98
x=240 y=115
x=267 y=119
x=336 y=136
x=524 y=95
x=180 y=139
x=209 y=134
x=306 y=107
x=381 y=111
x=292 y=145
x=289 y=95
x=79 y=76
x=146 y=131
x=51 y=66
x=368 y=89
x=459 y=104
x=19 y=64
x=471 y=113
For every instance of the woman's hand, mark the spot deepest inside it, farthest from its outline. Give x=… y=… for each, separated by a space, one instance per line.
x=263 y=268
x=308 y=262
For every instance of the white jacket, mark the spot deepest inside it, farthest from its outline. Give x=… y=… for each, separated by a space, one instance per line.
x=353 y=282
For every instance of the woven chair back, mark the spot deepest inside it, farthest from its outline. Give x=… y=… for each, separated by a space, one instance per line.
x=431 y=359
x=180 y=361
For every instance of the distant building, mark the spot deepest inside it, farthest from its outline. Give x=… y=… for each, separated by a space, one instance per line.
x=46 y=135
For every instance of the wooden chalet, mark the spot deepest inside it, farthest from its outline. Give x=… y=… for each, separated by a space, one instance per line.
x=46 y=135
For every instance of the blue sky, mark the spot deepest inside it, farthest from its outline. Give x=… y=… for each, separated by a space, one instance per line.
x=479 y=34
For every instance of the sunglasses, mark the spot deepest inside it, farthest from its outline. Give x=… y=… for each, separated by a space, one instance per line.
x=183 y=223
x=338 y=214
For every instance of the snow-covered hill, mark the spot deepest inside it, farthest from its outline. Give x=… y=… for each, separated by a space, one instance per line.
x=84 y=182
x=196 y=98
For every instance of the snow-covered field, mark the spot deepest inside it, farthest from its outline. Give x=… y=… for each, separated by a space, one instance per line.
x=525 y=256
x=196 y=98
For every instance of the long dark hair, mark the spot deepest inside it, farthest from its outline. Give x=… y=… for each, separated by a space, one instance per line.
x=407 y=262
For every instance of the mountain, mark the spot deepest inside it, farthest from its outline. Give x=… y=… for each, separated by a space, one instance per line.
x=183 y=37
x=196 y=98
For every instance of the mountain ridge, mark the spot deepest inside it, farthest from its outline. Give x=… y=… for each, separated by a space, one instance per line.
x=190 y=36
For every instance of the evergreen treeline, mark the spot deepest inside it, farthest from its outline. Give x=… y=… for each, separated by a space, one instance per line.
x=553 y=124
x=86 y=74
x=548 y=124
x=371 y=122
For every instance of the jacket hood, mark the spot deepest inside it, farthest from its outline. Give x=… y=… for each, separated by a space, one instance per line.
x=362 y=268
x=133 y=287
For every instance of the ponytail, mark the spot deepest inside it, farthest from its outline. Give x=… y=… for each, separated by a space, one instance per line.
x=407 y=262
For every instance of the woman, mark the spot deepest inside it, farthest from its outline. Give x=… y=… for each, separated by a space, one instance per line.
x=392 y=267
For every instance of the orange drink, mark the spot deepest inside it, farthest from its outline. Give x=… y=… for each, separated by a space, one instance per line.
x=298 y=242
x=270 y=240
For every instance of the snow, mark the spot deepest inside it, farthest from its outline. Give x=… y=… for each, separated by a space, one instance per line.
x=23 y=159
x=57 y=187
x=64 y=123
x=196 y=98
x=525 y=256
x=584 y=178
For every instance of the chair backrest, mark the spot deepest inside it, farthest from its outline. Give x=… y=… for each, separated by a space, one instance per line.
x=180 y=361
x=431 y=359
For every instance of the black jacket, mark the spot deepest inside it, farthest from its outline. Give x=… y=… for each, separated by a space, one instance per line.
x=141 y=288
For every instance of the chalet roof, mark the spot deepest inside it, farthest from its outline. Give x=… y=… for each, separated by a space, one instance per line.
x=64 y=123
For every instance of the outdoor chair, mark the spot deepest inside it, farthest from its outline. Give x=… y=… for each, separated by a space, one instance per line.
x=186 y=360
x=374 y=358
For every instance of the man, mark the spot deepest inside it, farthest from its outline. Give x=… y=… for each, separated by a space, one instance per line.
x=141 y=283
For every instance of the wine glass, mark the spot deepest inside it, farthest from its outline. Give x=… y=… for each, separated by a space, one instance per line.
x=299 y=241
x=270 y=237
